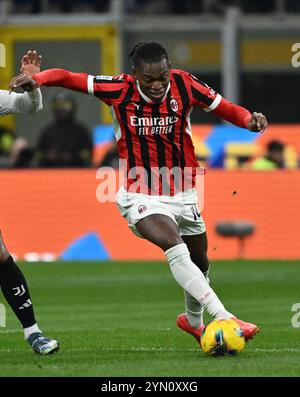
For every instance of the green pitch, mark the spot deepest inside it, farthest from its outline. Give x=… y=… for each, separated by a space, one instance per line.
x=118 y=319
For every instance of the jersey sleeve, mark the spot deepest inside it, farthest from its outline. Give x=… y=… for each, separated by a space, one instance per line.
x=28 y=102
x=208 y=99
x=106 y=88
x=62 y=78
x=6 y=102
x=203 y=95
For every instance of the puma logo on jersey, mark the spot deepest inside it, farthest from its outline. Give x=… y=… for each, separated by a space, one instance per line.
x=136 y=105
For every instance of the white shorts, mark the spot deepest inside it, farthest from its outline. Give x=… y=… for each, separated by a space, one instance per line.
x=182 y=208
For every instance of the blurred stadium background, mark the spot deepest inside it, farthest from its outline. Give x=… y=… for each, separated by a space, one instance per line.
x=243 y=49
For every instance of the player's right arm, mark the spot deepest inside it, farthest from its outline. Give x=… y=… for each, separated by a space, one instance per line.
x=106 y=88
x=51 y=77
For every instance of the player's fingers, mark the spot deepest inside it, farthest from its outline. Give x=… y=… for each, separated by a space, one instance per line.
x=254 y=116
x=34 y=57
x=262 y=120
x=39 y=60
x=264 y=123
x=258 y=119
x=253 y=122
x=12 y=84
x=24 y=60
x=29 y=56
x=17 y=82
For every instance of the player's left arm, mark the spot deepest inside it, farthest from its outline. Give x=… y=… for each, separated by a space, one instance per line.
x=211 y=101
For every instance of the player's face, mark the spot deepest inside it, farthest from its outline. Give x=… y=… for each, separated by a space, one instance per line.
x=153 y=78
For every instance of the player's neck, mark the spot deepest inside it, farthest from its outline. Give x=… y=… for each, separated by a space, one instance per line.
x=147 y=99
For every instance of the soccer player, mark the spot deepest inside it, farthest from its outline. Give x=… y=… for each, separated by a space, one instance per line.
x=151 y=111
x=12 y=281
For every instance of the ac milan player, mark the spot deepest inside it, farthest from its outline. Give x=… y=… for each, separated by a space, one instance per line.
x=12 y=281
x=151 y=110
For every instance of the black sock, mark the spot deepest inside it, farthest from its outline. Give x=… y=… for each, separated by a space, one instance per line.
x=16 y=292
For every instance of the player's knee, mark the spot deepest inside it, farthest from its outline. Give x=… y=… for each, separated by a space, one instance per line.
x=170 y=241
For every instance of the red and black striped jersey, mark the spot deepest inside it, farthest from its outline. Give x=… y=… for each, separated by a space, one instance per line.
x=151 y=136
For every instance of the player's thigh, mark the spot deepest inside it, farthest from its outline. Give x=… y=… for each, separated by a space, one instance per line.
x=160 y=230
x=197 y=245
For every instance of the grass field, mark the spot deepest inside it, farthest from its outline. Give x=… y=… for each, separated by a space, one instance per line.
x=118 y=319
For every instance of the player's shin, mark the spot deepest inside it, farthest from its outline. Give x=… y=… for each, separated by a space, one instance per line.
x=194 y=310
x=192 y=280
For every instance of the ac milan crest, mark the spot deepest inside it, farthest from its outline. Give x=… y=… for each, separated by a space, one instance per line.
x=174 y=105
x=141 y=209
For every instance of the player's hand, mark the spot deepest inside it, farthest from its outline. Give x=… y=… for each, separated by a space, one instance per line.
x=257 y=123
x=27 y=83
x=31 y=63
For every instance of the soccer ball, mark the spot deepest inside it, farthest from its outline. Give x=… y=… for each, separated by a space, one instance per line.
x=222 y=337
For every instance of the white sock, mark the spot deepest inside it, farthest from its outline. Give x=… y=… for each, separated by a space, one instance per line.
x=192 y=280
x=31 y=330
x=194 y=310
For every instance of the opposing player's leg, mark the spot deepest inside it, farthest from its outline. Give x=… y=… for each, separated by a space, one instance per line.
x=16 y=292
x=197 y=246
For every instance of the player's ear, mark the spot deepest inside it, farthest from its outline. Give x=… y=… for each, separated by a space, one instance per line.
x=133 y=70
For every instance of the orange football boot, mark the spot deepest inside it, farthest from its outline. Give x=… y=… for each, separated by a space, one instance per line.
x=249 y=330
x=182 y=323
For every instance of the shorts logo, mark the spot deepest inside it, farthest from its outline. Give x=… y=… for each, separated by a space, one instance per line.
x=174 y=105
x=141 y=209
